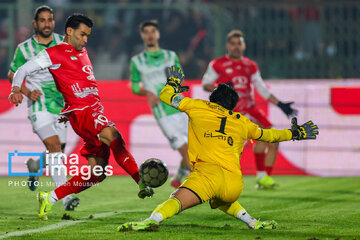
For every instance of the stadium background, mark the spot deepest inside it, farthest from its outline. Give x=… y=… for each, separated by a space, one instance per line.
x=307 y=51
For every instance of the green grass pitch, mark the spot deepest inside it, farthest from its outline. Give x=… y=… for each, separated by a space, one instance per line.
x=304 y=207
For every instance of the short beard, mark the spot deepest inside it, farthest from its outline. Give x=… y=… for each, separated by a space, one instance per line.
x=150 y=45
x=42 y=34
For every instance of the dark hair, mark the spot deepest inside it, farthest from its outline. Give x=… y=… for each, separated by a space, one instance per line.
x=146 y=23
x=75 y=19
x=234 y=33
x=225 y=96
x=40 y=9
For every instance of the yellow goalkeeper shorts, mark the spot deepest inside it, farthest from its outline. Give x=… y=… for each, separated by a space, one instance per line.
x=210 y=181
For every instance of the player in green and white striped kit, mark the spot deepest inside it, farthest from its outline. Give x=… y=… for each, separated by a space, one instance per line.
x=147 y=79
x=44 y=101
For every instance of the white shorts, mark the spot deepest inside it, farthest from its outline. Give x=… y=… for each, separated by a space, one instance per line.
x=46 y=124
x=175 y=128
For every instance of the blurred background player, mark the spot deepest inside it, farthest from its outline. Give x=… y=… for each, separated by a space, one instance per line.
x=147 y=79
x=216 y=140
x=71 y=68
x=244 y=75
x=44 y=101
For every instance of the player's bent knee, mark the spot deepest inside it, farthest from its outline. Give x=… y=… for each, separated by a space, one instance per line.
x=186 y=197
x=53 y=144
x=109 y=134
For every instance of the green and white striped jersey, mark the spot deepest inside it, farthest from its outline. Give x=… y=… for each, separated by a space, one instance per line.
x=149 y=68
x=51 y=100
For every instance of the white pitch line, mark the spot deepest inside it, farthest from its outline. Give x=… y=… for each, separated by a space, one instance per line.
x=62 y=224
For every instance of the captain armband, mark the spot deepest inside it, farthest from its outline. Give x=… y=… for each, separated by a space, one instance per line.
x=176 y=99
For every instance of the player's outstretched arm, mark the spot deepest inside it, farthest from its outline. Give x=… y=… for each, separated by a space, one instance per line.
x=306 y=131
x=169 y=93
x=286 y=107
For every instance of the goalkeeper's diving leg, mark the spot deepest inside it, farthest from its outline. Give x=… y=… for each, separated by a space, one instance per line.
x=180 y=200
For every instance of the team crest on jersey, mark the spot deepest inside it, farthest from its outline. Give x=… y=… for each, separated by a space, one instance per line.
x=89 y=70
x=73 y=58
x=229 y=70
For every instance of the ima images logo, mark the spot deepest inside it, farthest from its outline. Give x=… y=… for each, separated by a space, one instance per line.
x=55 y=164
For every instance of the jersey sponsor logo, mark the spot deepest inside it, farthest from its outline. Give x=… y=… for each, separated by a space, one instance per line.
x=73 y=58
x=83 y=92
x=88 y=69
x=68 y=50
x=209 y=134
x=215 y=106
x=227 y=63
x=240 y=82
x=229 y=139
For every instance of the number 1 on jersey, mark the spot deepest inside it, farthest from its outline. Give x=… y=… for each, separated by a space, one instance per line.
x=222 y=125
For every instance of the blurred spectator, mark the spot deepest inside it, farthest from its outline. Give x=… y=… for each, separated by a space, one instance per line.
x=22 y=33
x=310 y=36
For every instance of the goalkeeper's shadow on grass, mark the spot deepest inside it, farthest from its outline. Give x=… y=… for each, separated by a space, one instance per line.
x=191 y=225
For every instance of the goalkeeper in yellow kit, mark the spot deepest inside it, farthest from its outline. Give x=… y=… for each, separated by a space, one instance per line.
x=216 y=140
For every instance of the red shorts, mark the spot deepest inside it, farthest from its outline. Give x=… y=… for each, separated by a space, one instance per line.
x=88 y=123
x=258 y=116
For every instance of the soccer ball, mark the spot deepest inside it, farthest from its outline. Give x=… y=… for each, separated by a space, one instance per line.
x=153 y=172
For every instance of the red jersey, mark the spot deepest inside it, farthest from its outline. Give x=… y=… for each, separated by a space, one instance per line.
x=73 y=75
x=244 y=75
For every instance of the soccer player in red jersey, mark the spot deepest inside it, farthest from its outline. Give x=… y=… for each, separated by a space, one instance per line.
x=244 y=75
x=72 y=71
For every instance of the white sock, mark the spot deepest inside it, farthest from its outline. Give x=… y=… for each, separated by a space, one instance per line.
x=53 y=198
x=158 y=217
x=57 y=171
x=245 y=217
x=66 y=199
x=261 y=174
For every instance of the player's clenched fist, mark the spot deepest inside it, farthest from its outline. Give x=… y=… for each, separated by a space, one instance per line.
x=15 y=96
x=34 y=95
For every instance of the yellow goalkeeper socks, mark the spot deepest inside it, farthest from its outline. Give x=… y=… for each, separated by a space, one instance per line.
x=166 y=210
x=232 y=209
x=236 y=210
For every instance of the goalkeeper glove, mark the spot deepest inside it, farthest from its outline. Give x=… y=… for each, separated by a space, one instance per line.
x=287 y=109
x=175 y=77
x=145 y=191
x=306 y=131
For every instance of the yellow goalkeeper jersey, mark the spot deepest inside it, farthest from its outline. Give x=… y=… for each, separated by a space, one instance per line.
x=216 y=134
